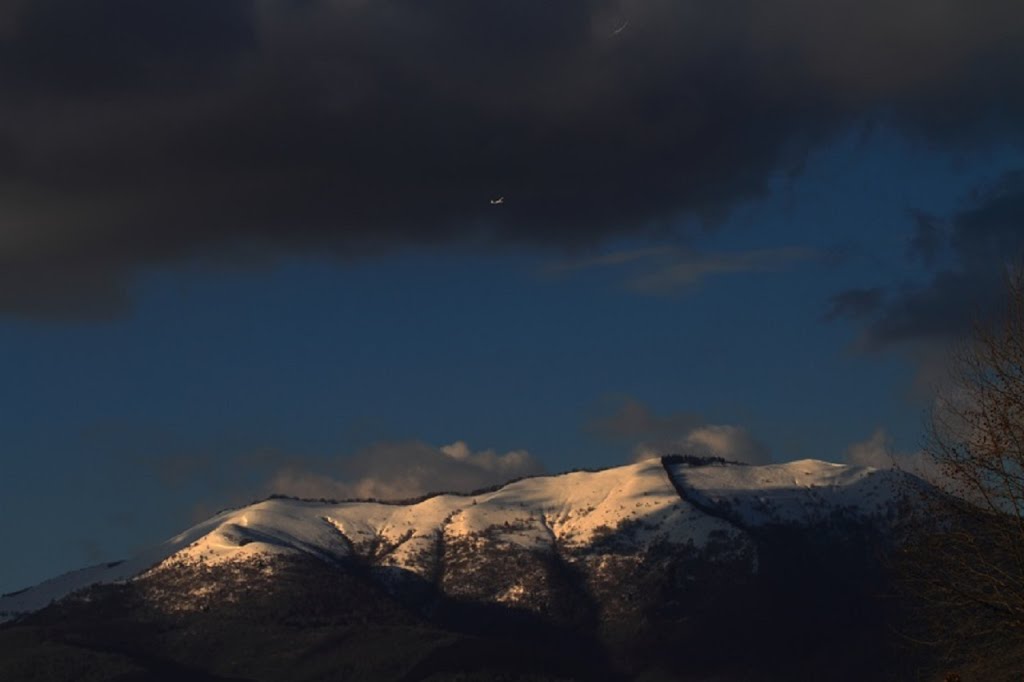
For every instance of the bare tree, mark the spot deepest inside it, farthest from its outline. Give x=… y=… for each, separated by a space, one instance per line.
x=963 y=561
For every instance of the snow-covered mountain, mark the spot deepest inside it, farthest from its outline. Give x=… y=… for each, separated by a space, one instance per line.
x=601 y=524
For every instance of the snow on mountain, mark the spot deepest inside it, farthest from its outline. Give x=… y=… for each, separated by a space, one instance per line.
x=671 y=503
x=37 y=597
x=801 y=492
x=535 y=514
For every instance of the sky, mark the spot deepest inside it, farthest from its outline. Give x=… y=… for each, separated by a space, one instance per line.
x=376 y=248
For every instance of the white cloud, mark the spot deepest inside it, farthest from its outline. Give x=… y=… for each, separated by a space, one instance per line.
x=873 y=452
x=690 y=269
x=399 y=470
x=667 y=269
x=877 y=452
x=611 y=259
x=732 y=443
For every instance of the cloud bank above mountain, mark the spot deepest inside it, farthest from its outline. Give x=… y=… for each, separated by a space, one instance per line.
x=403 y=470
x=630 y=422
x=731 y=443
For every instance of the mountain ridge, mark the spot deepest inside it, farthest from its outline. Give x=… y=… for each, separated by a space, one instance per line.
x=669 y=569
x=673 y=500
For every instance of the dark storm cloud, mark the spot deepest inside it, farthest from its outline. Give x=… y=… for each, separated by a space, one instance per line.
x=986 y=242
x=142 y=133
x=89 y=48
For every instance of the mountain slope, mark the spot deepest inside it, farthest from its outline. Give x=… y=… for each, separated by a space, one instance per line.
x=638 y=505
x=802 y=492
x=669 y=569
